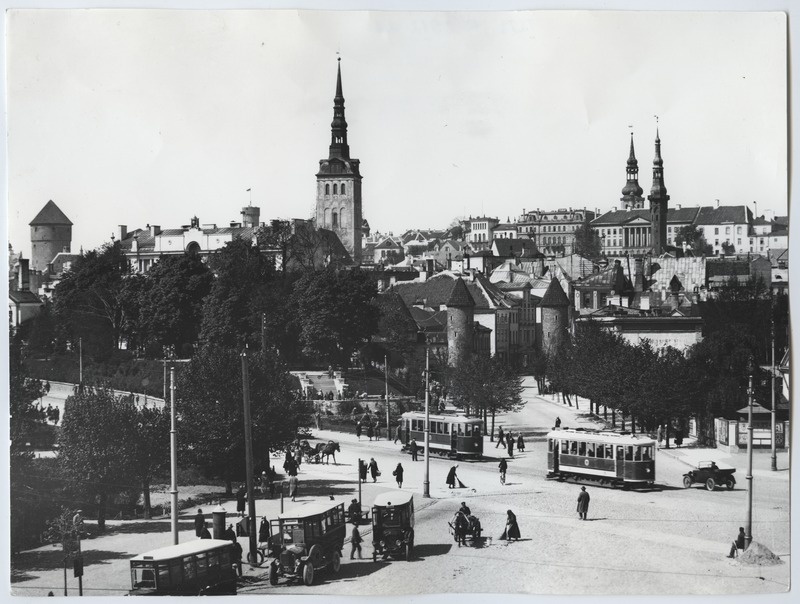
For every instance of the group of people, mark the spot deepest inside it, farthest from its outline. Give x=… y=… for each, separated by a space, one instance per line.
x=371 y=468
x=507 y=440
x=373 y=430
x=53 y=414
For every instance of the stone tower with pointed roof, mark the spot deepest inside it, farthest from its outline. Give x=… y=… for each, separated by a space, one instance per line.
x=658 y=203
x=339 y=183
x=632 y=193
x=460 y=318
x=51 y=233
x=555 y=317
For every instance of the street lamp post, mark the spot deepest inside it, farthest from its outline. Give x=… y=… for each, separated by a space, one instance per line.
x=80 y=362
x=386 y=380
x=248 y=452
x=749 y=524
x=173 y=453
x=774 y=459
x=426 y=485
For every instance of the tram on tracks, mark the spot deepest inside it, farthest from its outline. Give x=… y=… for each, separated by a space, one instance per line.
x=455 y=436
x=607 y=457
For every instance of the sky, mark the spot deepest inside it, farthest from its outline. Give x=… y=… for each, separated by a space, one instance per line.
x=142 y=117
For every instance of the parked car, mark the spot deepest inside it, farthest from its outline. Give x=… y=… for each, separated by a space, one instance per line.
x=393 y=525
x=307 y=539
x=710 y=475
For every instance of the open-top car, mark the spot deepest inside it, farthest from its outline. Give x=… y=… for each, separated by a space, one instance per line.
x=393 y=525
x=306 y=539
x=709 y=474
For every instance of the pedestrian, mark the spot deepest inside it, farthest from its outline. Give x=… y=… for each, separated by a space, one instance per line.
x=354 y=511
x=318 y=420
x=738 y=544
x=263 y=530
x=512 y=528
x=503 y=470
x=510 y=445
x=237 y=556
x=413 y=446
x=199 y=522
x=500 y=436
x=204 y=534
x=291 y=467
x=57 y=414
x=520 y=443
x=660 y=435
x=398 y=475
x=229 y=534
x=558 y=422
x=362 y=470
x=583 y=503
x=298 y=456
x=377 y=431
x=373 y=469
x=355 y=542
x=464 y=509
x=293 y=483
x=241 y=499
x=460 y=525
x=451 y=477
x=398 y=433
x=358 y=430
x=369 y=431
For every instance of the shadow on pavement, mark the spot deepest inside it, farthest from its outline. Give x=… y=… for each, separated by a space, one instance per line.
x=147 y=526
x=353 y=569
x=51 y=559
x=434 y=549
x=319 y=487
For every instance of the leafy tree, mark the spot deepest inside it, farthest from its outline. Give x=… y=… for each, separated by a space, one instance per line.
x=587 y=241
x=728 y=248
x=335 y=313
x=397 y=329
x=148 y=435
x=40 y=331
x=694 y=238
x=89 y=301
x=95 y=446
x=209 y=400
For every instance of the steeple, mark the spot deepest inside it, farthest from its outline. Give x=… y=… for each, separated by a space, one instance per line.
x=632 y=193
x=339 y=147
x=658 y=203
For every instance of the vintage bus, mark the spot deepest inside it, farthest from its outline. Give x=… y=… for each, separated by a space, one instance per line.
x=194 y=568
x=607 y=457
x=454 y=436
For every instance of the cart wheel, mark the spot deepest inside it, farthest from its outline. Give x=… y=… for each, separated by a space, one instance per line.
x=308 y=573
x=273 y=575
x=409 y=551
x=729 y=483
x=710 y=484
x=336 y=563
x=259 y=558
x=687 y=482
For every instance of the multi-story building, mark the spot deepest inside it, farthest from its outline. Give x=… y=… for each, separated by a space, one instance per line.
x=549 y=228
x=726 y=225
x=480 y=232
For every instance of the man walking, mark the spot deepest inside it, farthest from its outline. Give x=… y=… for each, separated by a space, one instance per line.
x=199 y=523
x=500 y=436
x=398 y=433
x=583 y=503
x=355 y=542
x=413 y=445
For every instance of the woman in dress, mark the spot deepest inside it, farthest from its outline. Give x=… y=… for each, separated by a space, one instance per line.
x=398 y=475
x=451 y=477
x=512 y=528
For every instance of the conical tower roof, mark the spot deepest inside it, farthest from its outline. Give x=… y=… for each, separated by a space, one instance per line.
x=50 y=214
x=554 y=296
x=460 y=295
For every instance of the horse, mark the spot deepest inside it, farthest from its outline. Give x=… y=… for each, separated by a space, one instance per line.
x=330 y=450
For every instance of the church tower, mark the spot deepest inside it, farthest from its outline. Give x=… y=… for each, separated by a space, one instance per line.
x=339 y=183
x=632 y=193
x=658 y=203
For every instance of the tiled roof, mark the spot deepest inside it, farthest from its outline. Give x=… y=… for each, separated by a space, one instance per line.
x=437 y=289
x=523 y=247
x=690 y=271
x=554 y=296
x=724 y=267
x=778 y=254
x=460 y=295
x=779 y=232
x=23 y=297
x=573 y=266
x=50 y=214
x=506 y=226
x=606 y=279
x=622 y=216
x=723 y=215
x=429 y=320
x=784 y=220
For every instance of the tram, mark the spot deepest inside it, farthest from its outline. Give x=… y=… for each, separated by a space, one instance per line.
x=453 y=436
x=608 y=457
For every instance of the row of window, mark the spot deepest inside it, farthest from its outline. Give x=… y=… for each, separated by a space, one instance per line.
x=438 y=427
x=338 y=189
x=603 y=450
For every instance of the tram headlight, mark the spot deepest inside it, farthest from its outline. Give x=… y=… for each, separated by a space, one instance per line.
x=383 y=543
x=398 y=543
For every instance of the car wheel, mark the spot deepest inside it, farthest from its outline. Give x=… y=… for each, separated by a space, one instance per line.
x=308 y=574
x=273 y=575
x=710 y=484
x=336 y=563
x=687 y=482
x=729 y=483
x=409 y=551
x=259 y=558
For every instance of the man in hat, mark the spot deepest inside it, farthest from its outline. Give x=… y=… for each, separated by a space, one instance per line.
x=354 y=510
x=199 y=522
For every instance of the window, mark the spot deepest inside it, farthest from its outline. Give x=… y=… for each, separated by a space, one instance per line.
x=343 y=188
x=637 y=455
x=609 y=451
x=629 y=453
x=550 y=444
x=468 y=430
x=564 y=446
x=334 y=188
x=600 y=451
x=716 y=230
x=573 y=447
x=327 y=189
x=582 y=449
x=727 y=230
x=590 y=447
x=739 y=230
x=334 y=216
x=647 y=453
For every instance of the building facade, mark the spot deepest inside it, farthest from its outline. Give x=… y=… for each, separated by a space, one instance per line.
x=549 y=228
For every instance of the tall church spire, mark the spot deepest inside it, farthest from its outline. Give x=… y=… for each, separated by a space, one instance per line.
x=632 y=193
x=658 y=202
x=339 y=147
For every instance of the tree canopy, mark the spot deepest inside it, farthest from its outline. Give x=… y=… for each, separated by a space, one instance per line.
x=587 y=241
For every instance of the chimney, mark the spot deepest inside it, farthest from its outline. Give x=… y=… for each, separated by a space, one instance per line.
x=639 y=277
x=614 y=209
x=716 y=203
x=154 y=230
x=429 y=265
x=677 y=206
x=122 y=231
x=24 y=275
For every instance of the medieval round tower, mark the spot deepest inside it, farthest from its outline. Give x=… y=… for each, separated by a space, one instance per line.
x=460 y=318
x=51 y=234
x=555 y=319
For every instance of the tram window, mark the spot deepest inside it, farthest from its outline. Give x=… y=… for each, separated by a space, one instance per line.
x=638 y=454
x=460 y=429
x=549 y=444
x=628 y=453
x=609 y=451
x=620 y=454
x=600 y=452
x=202 y=563
x=446 y=427
x=573 y=447
x=647 y=454
x=582 y=449
x=565 y=446
x=467 y=430
x=476 y=430
x=589 y=449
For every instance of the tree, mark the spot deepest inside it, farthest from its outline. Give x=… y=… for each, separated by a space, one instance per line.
x=335 y=313
x=95 y=446
x=209 y=400
x=694 y=239
x=728 y=248
x=89 y=301
x=148 y=434
x=587 y=241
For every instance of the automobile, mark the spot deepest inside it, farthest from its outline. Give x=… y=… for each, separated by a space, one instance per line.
x=710 y=475
x=393 y=525
x=306 y=539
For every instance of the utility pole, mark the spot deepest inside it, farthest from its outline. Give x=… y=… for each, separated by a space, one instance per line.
x=426 y=485
x=173 y=452
x=774 y=459
x=264 y=334
x=248 y=452
x=386 y=379
x=80 y=362
x=749 y=525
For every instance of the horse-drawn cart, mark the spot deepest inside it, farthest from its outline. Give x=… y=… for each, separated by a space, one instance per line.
x=465 y=528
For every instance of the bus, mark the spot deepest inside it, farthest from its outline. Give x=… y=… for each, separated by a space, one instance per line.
x=194 y=568
x=453 y=436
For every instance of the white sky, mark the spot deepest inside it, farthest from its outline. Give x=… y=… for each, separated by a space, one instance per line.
x=136 y=117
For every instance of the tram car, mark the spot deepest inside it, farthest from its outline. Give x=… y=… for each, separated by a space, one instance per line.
x=608 y=457
x=454 y=436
